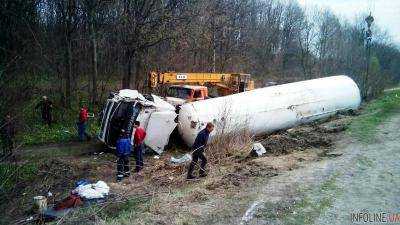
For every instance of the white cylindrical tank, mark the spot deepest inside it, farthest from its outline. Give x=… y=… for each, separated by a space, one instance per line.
x=269 y=109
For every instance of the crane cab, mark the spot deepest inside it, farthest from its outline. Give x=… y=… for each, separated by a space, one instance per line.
x=180 y=94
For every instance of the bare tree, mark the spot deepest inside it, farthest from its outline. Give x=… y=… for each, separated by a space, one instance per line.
x=144 y=25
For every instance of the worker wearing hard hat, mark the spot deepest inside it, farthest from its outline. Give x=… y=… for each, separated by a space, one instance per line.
x=198 y=151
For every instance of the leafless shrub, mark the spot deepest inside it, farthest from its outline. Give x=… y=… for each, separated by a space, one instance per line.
x=232 y=138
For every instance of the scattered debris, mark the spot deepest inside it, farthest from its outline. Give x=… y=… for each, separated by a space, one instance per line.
x=71 y=201
x=84 y=193
x=333 y=154
x=39 y=204
x=249 y=214
x=92 y=191
x=258 y=149
x=185 y=158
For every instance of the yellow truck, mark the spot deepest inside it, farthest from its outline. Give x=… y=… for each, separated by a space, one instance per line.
x=186 y=87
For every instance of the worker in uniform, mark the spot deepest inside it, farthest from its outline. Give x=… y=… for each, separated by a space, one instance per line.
x=198 y=151
x=8 y=134
x=124 y=150
x=45 y=106
x=82 y=124
x=138 y=140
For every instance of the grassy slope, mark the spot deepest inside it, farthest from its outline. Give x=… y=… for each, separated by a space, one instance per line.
x=363 y=127
x=31 y=131
x=64 y=128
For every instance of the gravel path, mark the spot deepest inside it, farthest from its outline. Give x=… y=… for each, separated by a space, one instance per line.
x=366 y=178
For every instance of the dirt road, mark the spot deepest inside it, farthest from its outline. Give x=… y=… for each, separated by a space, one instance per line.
x=365 y=178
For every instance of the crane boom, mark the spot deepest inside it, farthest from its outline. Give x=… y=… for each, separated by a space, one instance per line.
x=228 y=80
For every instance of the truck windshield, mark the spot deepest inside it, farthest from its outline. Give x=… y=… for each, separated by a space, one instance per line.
x=179 y=92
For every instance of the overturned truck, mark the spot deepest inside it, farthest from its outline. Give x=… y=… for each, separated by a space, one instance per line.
x=259 y=111
x=122 y=109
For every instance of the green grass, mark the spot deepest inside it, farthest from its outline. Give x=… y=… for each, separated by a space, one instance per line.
x=364 y=127
x=313 y=203
x=30 y=130
x=64 y=128
x=58 y=133
x=113 y=213
x=10 y=174
x=132 y=207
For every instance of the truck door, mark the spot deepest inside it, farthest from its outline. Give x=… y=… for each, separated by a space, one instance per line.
x=159 y=129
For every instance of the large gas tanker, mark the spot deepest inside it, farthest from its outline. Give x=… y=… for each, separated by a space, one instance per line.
x=269 y=109
x=258 y=111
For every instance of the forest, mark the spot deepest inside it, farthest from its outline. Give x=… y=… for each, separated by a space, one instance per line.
x=79 y=50
x=76 y=52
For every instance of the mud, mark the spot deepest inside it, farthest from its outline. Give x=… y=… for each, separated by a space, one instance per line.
x=315 y=135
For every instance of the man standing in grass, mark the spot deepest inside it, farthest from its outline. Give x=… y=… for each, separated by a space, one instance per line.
x=198 y=151
x=8 y=134
x=45 y=106
x=124 y=150
x=82 y=124
x=138 y=140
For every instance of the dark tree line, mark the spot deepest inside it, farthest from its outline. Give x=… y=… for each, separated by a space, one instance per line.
x=80 y=45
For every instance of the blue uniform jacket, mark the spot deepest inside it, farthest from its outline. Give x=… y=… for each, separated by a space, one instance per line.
x=124 y=147
x=201 y=140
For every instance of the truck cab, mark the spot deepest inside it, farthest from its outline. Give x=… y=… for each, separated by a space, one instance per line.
x=180 y=94
x=125 y=107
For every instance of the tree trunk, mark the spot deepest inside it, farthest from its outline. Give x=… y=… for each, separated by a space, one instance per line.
x=94 y=74
x=68 y=90
x=68 y=52
x=68 y=70
x=138 y=69
x=126 y=79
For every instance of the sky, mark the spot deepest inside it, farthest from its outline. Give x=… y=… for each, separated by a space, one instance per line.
x=385 y=12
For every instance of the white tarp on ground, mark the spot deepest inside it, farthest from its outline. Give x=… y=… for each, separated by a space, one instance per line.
x=93 y=191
